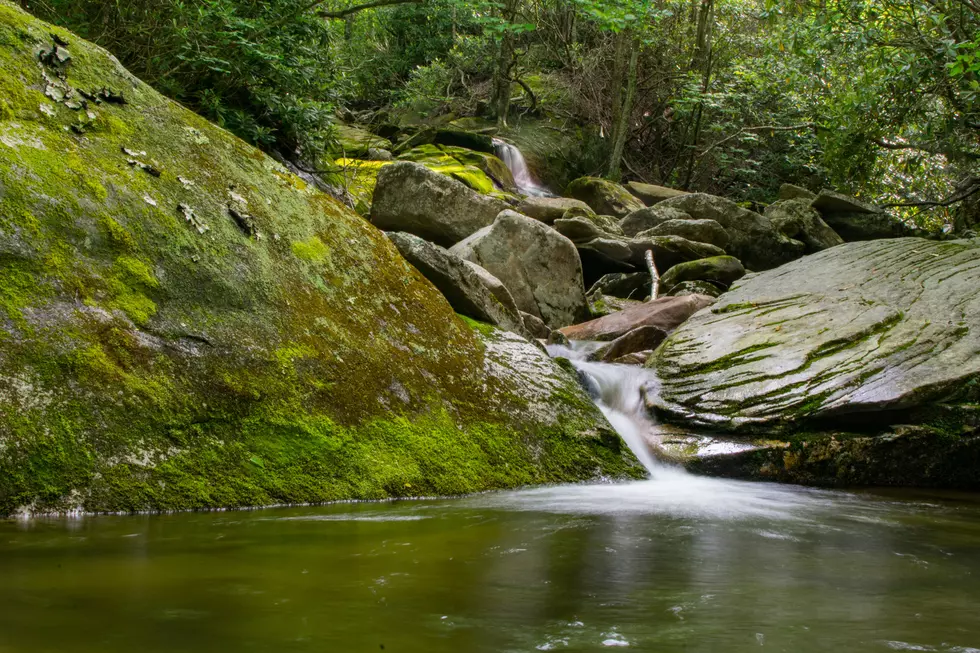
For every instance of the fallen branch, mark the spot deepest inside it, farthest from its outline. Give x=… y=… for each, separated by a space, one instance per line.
x=654 y=275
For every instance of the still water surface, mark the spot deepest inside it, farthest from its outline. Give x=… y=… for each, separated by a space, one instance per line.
x=676 y=564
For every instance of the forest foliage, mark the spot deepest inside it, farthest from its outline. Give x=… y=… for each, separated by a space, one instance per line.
x=879 y=98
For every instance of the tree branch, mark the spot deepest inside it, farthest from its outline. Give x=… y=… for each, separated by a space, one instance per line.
x=924 y=147
x=775 y=128
x=959 y=197
x=344 y=13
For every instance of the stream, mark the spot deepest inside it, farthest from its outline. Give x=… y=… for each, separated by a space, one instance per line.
x=674 y=563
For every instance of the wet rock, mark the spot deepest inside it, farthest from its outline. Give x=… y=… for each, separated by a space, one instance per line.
x=411 y=198
x=666 y=313
x=632 y=285
x=603 y=196
x=651 y=194
x=720 y=270
x=876 y=332
x=798 y=220
x=549 y=209
x=701 y=231
x=539 y=266
x=643 y=338
x=637 y=358
x=753 y=238
x=463 y=288
x=650 y=218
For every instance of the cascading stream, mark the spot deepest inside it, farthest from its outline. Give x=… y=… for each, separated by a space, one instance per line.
x=514 y=160
x=619 y=391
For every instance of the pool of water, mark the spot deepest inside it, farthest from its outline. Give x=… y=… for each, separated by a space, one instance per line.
x=675 y=564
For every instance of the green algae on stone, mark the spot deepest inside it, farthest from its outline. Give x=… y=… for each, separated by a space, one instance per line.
x=147 y=365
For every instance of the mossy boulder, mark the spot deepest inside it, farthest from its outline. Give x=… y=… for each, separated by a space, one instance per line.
x=482 y=172
x=720 y=270
x=795 y=218
x=700 y=231
x=355 y=142
x=184 y=324
x=861 y=335
x=603 y=196
x=549 y=209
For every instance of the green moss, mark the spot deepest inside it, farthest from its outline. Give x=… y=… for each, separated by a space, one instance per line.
x=480 y=327
x=313 y=250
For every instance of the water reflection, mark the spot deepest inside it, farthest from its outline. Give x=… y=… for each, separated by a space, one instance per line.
x=680 y=564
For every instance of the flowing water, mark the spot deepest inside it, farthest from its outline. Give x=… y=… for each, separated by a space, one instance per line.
x=675 y=563
x=514 y=160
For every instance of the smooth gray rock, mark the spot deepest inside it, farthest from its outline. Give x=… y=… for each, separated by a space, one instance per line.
x=578 y=229
x=495 y=286
x=720 y=270
x=649 y=218
x=411 y=198
x=754 y=239
x=791 y=192
x=796 y=219
x=651 y=194
x=539 y=266
x=535 y=327
x=886 y=327
x=462 y=287
x=828 y=201
x=549 y=209
x=855 y=220
x=700 y=231
x=603 y=196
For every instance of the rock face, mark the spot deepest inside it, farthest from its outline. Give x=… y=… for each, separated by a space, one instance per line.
x=879 y=332
x=409 y=197
x=199 y=328
x=795 y=218
x=855 y=220
x=700 y=231
x=603 y=196
x=791 y=192
x=651 y=194
x=464 y=288
x=539 y=266
x=754 y=239
x=666 y=313
x=549 y=209
x=633 y=285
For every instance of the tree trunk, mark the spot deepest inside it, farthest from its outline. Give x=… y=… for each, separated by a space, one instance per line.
x=626 y=112
x=502 y=83
x=620 y=59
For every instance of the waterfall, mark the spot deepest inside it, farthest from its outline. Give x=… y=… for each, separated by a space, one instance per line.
x=514 y=160
x=619 y=391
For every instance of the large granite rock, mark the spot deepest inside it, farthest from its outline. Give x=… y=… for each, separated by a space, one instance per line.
x=855 y=220
x=462 y=286
x=549 y=209
x=796 y=219
x=603 y=196
x=666 y=313
x=649 y=218
x=632 y=285
x=651 y=194
x=668 y=251
x=879 y=332
x=411 y=198
x=753 y=238
x=186 y=325
x=539 y=266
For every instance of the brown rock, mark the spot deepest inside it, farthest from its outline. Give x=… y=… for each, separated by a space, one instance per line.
x=639 y=339
x=666 y=313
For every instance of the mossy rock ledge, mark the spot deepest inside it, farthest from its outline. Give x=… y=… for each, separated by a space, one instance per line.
x=863 y=361
x=185 y=325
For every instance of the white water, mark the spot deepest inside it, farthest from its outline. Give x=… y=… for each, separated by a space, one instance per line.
x=514 y=160
x=620 y=392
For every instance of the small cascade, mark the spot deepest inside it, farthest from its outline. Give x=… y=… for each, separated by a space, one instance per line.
x=619 y=391
x=514 y=160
